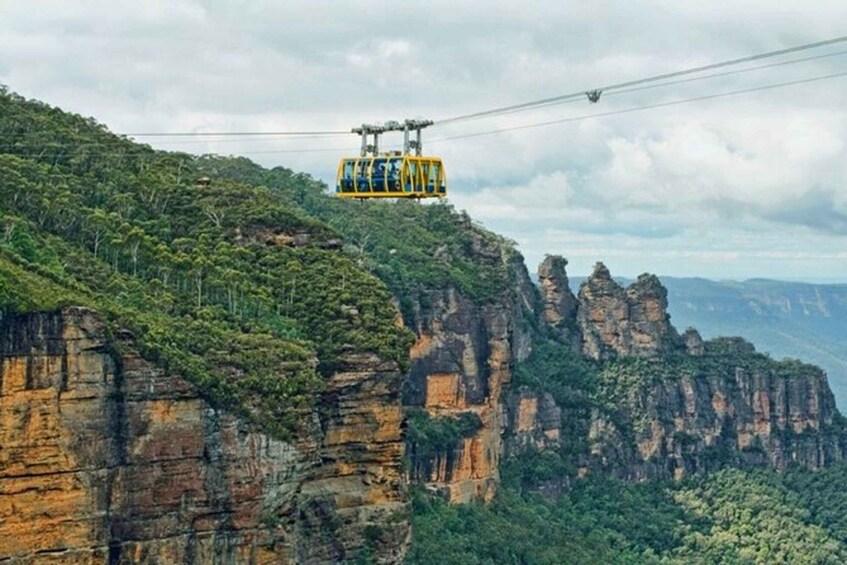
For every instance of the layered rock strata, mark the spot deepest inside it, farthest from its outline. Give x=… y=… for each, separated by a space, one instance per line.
x=461 y=362
x=617 y=321
x=104 y=457
x=732 y=408
x=694 y=424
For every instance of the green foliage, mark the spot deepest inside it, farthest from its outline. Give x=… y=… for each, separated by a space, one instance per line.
x=413 y=247
x=418 y=248
x=754 y=518
x=578 y=528
x=207 y=277
x=430 y=436
x=728 y=517
x=554 y=368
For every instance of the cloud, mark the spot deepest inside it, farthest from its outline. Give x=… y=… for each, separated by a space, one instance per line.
x=689 y=189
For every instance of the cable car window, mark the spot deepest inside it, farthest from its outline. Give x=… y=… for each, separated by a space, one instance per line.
x=430 y=174
x=394 y=167
x=413 y=177
x=346 y=181
x=425 y=171
x=362 y=182
x=378 y=175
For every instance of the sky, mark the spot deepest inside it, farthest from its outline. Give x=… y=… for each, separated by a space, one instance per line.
x=750 y=185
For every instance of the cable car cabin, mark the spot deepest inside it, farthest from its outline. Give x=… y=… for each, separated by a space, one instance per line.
x=391 y=176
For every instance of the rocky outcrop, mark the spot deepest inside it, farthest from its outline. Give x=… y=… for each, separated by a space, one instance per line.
x=105 y=457
x=618 y=321
x=533 y=420
x=693 y=342
x=685 y=406
x=461 y=362
x=559 y=305
x=673 y=427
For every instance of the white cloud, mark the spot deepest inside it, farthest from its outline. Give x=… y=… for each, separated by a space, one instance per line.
x=753 y=183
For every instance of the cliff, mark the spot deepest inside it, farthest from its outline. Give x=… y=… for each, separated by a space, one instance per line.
x=644 y=402
x=618 y=390
x=106 y=457
x=462 y=361
x=615 y=321
x=241 y=393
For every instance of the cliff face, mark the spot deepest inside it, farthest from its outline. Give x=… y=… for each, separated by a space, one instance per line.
x=105 y=457
x=691 y=424
x=666 y=406
x=660 y=405
x=461 y=362
x=618 y=321
x=559 y=306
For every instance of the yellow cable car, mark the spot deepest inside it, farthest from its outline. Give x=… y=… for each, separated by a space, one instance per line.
x=391 y=175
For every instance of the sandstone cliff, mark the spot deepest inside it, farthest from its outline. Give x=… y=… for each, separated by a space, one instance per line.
x=107 y=458
x=461 y=362
x=559 y=306
x=659 y=405
x=656 y=404
x=618 y=321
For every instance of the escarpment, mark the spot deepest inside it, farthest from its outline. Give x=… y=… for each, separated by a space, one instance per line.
x=643 y=402
x=106 y=457
x=242 y=394
x=618 y=390
x=461 y=363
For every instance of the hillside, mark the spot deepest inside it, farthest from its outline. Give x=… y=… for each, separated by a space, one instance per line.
x=728 y=517
x=249 y=370
x=141 y=296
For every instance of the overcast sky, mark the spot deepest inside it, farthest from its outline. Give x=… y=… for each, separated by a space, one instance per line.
x=738 y=187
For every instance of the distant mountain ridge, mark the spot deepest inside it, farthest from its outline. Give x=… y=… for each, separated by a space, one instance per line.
x=785 y=319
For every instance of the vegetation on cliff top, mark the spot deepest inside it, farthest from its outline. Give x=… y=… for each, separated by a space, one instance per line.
x=206 y=276
x=413 y=248
x=428 y=436
x=233 y=285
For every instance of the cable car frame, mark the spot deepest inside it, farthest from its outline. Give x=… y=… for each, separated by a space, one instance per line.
x=394 y=174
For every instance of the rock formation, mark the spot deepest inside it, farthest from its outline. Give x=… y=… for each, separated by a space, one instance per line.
x=461 y=362
x=690 y=424
x=558 y=302
x=727 y=406
x=618 y=321
x=104 y=457
x=693 y=342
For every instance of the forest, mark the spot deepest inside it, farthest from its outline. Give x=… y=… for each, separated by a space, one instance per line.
x=731 y=516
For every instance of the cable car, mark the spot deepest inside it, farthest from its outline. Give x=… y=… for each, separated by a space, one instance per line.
x=391 y=175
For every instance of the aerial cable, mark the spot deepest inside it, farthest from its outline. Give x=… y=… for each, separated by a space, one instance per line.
x=166 y=153
x=685 y=80
x=234 y=133
x=174 y=142
x=154 y=153
x=599 y=90
x=232 y=137
x=593 y=95
x=639 y=108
